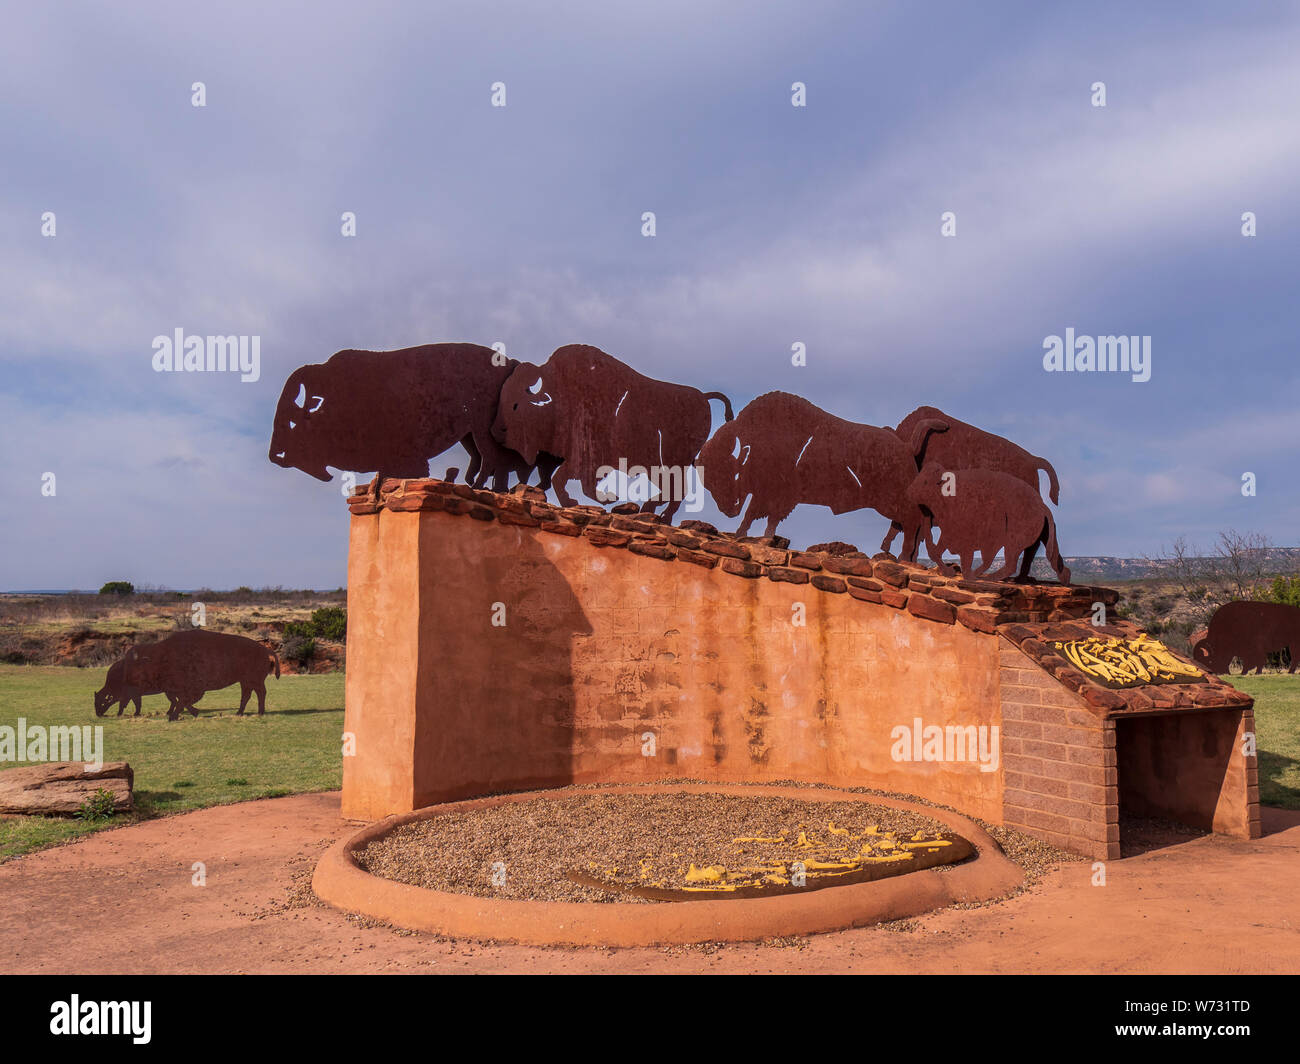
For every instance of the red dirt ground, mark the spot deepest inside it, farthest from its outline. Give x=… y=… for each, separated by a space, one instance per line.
x=122 y=901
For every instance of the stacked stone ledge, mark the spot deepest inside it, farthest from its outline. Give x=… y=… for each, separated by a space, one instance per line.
x=983 y=606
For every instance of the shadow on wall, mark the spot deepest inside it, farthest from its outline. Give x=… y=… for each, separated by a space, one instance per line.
x=504 y=719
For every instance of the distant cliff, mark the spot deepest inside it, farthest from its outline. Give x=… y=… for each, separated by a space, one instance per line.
x=1105 y=570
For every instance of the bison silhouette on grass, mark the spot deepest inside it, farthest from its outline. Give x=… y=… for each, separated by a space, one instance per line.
x=1250 y=631
x=184 y=667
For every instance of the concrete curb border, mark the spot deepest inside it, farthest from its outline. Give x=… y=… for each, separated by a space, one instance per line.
x=340 y=882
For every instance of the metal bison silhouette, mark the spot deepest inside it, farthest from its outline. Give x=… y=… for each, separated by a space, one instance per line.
x=1250 y=631
x=986 y=511
x=583 y=413
x=781 y=451
x=391 y=412
x=964 y=446
x=185 y=666
x=592 y=411
x=116 y=690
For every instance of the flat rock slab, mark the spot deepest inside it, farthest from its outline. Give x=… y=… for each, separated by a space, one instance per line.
x=64 y=787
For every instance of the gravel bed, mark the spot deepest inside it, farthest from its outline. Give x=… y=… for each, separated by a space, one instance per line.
x=529 y=847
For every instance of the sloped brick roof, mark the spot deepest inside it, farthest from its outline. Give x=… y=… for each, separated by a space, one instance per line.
x=1036 y=641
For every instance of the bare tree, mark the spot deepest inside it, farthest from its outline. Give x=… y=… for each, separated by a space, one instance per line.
x=1234 y=570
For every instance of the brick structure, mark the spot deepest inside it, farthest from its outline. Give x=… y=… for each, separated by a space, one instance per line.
x=621 y=626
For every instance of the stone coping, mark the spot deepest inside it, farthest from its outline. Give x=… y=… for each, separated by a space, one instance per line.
x=1031 y=615
x=339 y=881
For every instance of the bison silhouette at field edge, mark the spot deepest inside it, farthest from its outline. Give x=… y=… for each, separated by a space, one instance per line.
x=781 y=451
x=391 y=412
x=1250 y=631
x=592 y=412
x=986 y=511
x=190 y=663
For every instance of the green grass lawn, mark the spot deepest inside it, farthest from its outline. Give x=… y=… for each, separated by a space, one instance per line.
x=1277 y=725
x=221 y=758
x=192 y=763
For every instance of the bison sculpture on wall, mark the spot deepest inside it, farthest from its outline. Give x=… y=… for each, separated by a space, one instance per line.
x=985 y=511
x=391 y=412
x=593 y=413
x=782 y=451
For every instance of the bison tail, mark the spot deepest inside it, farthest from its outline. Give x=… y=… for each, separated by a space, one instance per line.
x=922 y=433
x=275 y=660
x=1054 y=489
x=1054 y=553
x=726 y=404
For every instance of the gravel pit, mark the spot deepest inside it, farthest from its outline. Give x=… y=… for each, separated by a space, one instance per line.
x=526 y=850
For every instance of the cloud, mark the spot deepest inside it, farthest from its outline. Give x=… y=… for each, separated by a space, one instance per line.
x=521 y=226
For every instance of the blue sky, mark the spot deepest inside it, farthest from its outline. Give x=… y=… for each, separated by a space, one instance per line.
x=522 y=225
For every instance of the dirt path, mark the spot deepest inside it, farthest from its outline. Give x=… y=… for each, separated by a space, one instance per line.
x=123 y=901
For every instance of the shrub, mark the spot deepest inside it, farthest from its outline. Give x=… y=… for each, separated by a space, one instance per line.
x=298 y=649
x=330 y=622
x=1285 y=589
x=118 y=587
x=99 y=806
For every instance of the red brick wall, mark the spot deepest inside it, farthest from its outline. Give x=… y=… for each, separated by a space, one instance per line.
x=1060 y=781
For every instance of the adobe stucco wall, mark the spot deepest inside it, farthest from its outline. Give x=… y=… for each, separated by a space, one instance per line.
x=599 y=647
x=499 y=643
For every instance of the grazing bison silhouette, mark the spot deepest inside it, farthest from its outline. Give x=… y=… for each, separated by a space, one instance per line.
x=1250 y=631
x=592 y=411
x=187 y=664
x=781 y=451
x=391 y=412
x=986 y=511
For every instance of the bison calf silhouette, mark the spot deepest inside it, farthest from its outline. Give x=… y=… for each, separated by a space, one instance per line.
x=982 y=510
x=781 y=451
x=964 y=446
x=186 y=665
x=592 y=411
x=391 y=412
x=1250 y=631
x=115 y=690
